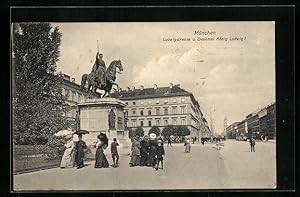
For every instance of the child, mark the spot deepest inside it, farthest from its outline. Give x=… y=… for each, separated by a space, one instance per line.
x=159 y=154
x=80 y=146
x=114 y=152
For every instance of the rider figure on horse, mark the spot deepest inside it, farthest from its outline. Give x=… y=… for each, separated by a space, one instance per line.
x=99 y=70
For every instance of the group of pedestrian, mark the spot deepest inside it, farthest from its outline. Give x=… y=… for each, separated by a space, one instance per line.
x=74 y=153
x=147 y=151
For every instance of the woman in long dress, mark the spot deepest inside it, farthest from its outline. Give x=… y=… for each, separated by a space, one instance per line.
x=101 y=161
x=187 y=146
x=135 y=153
x=67 y=160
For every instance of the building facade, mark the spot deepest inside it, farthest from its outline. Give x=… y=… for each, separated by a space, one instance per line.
x=232 y=130
x=162 y=106
x=260 y=124
x=73 y=94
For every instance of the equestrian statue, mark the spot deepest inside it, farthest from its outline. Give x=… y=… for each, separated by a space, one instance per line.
x=101 y=77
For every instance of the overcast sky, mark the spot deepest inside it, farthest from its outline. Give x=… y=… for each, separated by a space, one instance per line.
x=231 y=78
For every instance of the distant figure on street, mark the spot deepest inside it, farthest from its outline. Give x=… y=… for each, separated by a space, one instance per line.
x=202 y=141
x=114 y=152
x=159 y=154
x=252 y=144
x=187 y=145
x=80 y=146
x=169 y=142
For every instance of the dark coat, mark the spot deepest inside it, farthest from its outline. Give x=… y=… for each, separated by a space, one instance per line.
x=79 y=146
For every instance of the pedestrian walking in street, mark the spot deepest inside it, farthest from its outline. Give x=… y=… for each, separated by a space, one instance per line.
x=68 y=158
x=80 y=146
x=114 y=152
x=160 y=154
x=252 y=144
x=153 y=150
x=144 y=152
x=135 y=152
x=169 y=141
x=102 y=144
x=202 y=141
x=187 y=145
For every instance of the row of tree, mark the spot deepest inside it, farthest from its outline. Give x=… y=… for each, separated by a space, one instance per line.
x=166 y=131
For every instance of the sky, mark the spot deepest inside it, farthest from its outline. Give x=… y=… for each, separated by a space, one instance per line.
x=229 y=66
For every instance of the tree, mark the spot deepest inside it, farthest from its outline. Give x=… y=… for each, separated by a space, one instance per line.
x=37 y=100
x=183 y=131
x=130 y=133
x=155 y=130
x=139 y=132
x=166 y=132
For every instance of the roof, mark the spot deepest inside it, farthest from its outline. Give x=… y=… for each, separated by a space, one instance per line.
x=151 y=93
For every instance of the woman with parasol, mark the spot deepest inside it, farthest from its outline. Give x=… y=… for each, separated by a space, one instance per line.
x=101 y=161
x=80 y=146
x=67 y=160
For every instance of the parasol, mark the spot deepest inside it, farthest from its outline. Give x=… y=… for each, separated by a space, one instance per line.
x=152 y=135
x=63 y=133
x=81 y=132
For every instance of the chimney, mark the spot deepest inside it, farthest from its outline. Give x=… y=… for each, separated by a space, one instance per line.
x=73 y=80
x=128 y=88
x=155 y=86
x=133 y=88
x=171 y=85
x=142 y=87
x=120 y=89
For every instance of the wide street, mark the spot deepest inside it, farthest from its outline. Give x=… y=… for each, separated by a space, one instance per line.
x=232 y=167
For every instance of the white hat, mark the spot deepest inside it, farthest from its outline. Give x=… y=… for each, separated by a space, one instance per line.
x=152 y=135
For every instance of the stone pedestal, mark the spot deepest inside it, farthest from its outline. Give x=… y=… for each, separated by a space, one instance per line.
x=94 y=117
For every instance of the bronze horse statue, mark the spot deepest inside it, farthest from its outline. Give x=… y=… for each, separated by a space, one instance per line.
x=93 y=79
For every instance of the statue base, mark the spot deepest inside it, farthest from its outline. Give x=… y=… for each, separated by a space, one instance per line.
x=94 y=117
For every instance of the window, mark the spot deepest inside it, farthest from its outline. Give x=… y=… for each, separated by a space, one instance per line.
x=72 y=96
x=174 y=100
x=142 y=123
x=166 y=111
x=133 y=103
x=133 y=112
x=157 y=111
x=183 y=122
x=142 y=112
x=174 y=121
x=150 y=102
x=149 y=112
x=166 y=101
x=142 y=102
x=157 y=122
x=183 y=100
x=166 y=122
x=149 y=123
x=67 y=93
x=134 y=123
x=183 y=109
x=157 y=102
x=174 y=110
